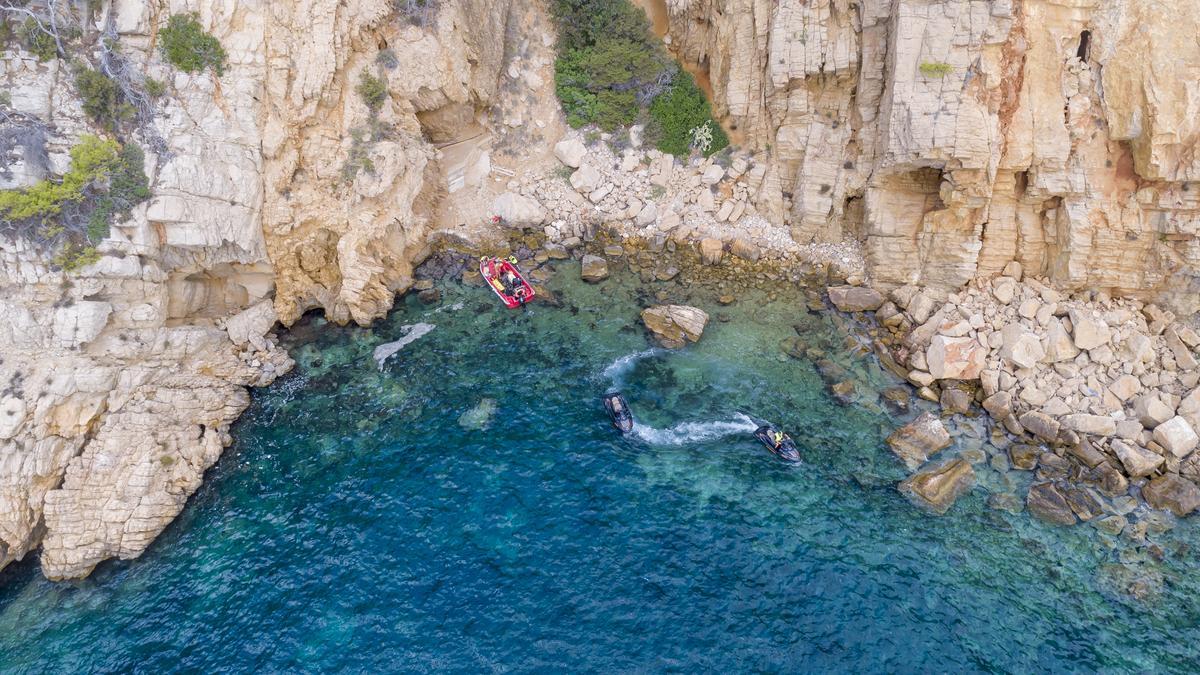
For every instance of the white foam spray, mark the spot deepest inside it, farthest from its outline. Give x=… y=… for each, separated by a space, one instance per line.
x=695 y=432
x=620 y=367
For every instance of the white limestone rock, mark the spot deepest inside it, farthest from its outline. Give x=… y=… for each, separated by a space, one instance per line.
x=570 y=151
x=1176 y=436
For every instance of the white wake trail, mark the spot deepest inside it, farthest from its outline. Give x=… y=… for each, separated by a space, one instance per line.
x=620 y=367
x=695 y=432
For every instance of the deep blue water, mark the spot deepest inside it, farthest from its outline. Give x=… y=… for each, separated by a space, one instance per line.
x=356 y=525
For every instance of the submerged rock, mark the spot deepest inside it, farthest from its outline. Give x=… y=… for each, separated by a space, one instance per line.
x=1048 y=503
x=479 y=417
x=914 y=442
x=939 y=487
x=412 y=333
x=675 y=325
x=594 y=269
x=1004 y=501
x=896 y=399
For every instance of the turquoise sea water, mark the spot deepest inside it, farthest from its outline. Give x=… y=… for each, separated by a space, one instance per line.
x=375 y=520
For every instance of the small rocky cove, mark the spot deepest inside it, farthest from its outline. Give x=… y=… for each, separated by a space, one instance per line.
x=255 y=392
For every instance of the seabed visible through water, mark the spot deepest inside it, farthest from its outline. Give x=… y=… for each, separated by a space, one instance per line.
x=389 y=518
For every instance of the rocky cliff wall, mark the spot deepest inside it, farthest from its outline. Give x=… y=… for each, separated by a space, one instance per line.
x=120 y=381
x=955 y=136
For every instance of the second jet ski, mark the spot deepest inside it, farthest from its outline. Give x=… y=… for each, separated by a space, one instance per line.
x=618 y=410
x=778 y=442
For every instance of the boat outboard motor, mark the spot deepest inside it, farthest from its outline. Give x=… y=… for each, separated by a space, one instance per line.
x=786 y=449
x=618 y=410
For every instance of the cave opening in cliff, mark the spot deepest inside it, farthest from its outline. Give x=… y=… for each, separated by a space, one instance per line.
x=1085 y=42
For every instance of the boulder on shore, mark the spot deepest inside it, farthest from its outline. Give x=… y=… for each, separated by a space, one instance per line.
x=570 y=151
x=594 y=268
x=955 y=358
x=1137 y=461
x=674 y=326
x=518 y=210
x=855 y=298
x=914 y=442
x=1176 y=436
x=711 y=251
x=938 y=488
x=1173 y=493
x=1041 y=425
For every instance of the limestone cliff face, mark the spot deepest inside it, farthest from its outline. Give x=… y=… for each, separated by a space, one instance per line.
x=119 y=383
x=348 y=247
x=954 y=136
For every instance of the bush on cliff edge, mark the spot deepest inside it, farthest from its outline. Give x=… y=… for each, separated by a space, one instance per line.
x=612 y=71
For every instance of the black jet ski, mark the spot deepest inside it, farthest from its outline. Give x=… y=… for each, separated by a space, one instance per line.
x=786 y=449
x=618 y=410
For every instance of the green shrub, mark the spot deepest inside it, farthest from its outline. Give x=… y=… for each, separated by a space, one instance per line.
x=675 y=113
x=74 y=257
x=185 y=45
x=615 y=109
x=582 y=23
x=91 y=160
x=932 y=69
x=154 y=88
x=359 y=157
x=102 y=99
x=36 y=41
x=372 y=90
x=5 y=98
x=105 y=180
x=610 y=67
x=128 y=186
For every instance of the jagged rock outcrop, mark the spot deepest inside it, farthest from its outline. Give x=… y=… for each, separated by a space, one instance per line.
x=956 y=136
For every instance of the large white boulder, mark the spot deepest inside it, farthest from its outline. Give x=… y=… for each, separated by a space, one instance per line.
x=570 y=151
x=1176 y=436
x=955 y=358
x=586 y=179
x=249 y=325
x=519 y=210
x=1097 y=425
x=1089 y=333
x=1020 y=348
x=1137 y=461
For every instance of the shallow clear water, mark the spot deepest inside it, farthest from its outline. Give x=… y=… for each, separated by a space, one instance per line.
x=357 y=525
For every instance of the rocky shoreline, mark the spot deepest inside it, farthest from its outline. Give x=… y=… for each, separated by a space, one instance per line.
x=1096 y=395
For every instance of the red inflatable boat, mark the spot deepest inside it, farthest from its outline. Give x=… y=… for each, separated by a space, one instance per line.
x=506 y=280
